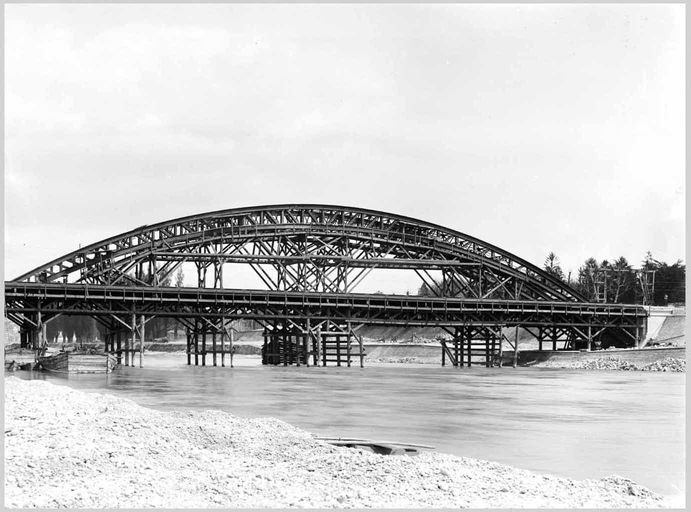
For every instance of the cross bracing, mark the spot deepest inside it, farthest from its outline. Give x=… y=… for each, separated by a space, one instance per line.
x=311 y=260
x=307 y=248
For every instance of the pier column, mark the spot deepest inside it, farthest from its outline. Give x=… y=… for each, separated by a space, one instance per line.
x=265 y=348
x=203 y=345
x=141 y=342
x=321 y=350
x=231 y=335
x=539 y=338
x=189 y=346
x=348 y=344
x=129 y=351
x=119 y=347
x=501 y=345
x=223 y=342
x=40 y=330
x=196 y=342
x=213 y=346
x=515 y=348
x=638 y=336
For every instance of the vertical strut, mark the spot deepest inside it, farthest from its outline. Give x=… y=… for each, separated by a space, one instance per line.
x=141 y=344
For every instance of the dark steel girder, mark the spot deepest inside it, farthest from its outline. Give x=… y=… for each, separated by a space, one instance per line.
x=28 y=298
x=410 y=238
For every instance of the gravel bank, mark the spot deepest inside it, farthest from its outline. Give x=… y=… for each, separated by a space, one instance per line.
x=67 y=448
x=669 y=364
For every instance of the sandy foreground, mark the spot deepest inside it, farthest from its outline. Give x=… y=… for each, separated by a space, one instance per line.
x=67 y=448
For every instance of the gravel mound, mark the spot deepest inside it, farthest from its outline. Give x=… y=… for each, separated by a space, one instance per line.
x=668 y=364
x=406 y=360
x=67 y=448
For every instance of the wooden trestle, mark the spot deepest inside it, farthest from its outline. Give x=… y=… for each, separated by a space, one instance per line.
x=315 y=327
x=473 y=345
x=285 y=344
x=206 y=337
x=326 y=344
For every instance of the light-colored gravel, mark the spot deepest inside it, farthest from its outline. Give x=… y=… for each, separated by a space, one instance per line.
x=67 y=448
x=668 y=364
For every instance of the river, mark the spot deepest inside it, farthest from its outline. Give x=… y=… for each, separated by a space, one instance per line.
x=574 y=423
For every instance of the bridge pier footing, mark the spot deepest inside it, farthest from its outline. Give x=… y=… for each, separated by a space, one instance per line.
x=220 y=334
x=473 y=345
x=326 y=343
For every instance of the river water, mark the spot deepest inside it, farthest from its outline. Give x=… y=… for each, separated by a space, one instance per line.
x=574 y=423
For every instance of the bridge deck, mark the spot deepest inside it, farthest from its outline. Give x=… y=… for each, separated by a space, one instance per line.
x=25 y=298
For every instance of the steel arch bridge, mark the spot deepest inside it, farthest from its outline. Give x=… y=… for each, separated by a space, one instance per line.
x=311 y=259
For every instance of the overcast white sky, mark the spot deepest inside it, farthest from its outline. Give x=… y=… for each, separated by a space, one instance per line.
x=535 y=128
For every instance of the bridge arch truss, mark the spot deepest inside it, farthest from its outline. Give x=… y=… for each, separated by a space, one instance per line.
x=313 y=254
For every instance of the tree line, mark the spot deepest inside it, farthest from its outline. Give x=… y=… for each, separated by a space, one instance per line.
x=654 y=283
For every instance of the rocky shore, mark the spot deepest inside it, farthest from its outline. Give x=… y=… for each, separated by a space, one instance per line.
x=668 y=364
x=67 y=448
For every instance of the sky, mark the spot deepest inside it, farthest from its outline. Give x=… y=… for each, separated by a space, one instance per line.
x=536 y=128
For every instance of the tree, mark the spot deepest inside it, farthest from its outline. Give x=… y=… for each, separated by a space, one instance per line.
x=425 y=290
x=670 y=280
x=622 y=285
x=587 y=278
x=617 y=282
x=553 y=267
x=79 y=328
x=670 y=284
x=179 y=277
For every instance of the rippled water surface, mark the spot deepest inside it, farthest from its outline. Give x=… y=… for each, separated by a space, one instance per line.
x=575 y=423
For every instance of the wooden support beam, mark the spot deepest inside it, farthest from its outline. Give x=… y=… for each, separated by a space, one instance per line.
x=231 y=334
x=141 y=345
x=338 y=350
x=320 y=344
x=189 y=346
x=637 y=341
x=204 y=345
x=213 y=347
x=129 y=353
x=305 y=347
x=488 y=347
x=515 y=349
x=446 y=349
x=223 y=342
x=348 y=344
x=195 y=333
x=298 y=348
x=265 y=348
x=284 y=343
x=500 y=338
x=539 y=339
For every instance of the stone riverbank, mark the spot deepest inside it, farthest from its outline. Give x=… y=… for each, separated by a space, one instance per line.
x=68 y=448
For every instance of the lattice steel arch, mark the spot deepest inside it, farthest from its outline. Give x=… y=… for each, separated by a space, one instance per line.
x=308 y=247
